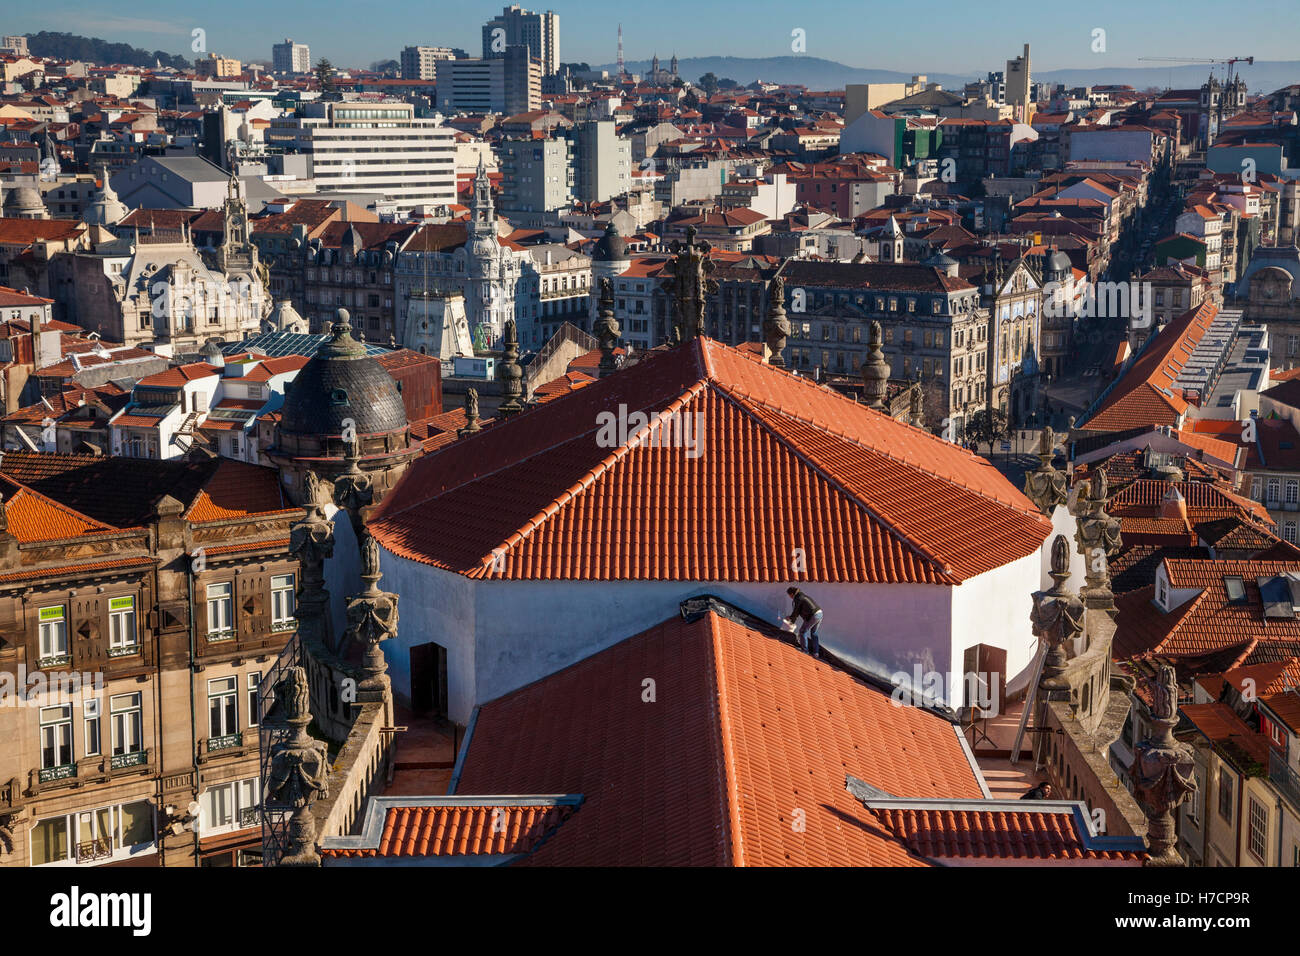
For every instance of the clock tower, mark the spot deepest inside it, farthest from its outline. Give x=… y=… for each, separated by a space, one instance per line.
x=237 y=253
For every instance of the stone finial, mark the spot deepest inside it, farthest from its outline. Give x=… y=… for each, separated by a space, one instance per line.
x=875 y=370
x=1163 y=771
x=471 y=413
x=776 y=327
x=606 y=329
x=916 y=403
x=372 y=618
x=1057 y=615
x=511 y=374
x=1099 y=540
x=1045 y=486
x=692 y=266
x=299 y=771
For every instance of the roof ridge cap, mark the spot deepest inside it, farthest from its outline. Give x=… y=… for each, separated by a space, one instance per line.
x=733 y=835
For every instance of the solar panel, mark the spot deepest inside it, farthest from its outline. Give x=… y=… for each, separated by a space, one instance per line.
x=277 y=344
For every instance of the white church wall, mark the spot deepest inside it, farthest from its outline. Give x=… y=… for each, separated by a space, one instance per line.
x=994 y=608
x=503 y=635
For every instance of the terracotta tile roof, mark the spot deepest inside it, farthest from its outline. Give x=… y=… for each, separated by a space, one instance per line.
x=91 y=567
x=1234 y=739
x=712 y=773
x=459 y=830
x=236 y=490
x=782 y=463
x=1208 y=622
x=1040 y=834
x=1206 y=501
x=270 y=367
x=181 y=374
x=30 y=516
x=275 y=543
x=1146 y=394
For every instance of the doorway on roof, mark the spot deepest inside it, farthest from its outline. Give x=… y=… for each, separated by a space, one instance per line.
x=429 y=679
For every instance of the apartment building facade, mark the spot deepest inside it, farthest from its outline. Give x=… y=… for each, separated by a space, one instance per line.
x=124 y=707
x=369 y=148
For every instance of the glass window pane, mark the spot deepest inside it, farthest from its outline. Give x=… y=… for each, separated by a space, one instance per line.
x=137 y=823
x=49 y=840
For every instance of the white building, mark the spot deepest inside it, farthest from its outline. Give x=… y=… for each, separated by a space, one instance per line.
x=290 y=57
x=373 y=148
x=421 y=62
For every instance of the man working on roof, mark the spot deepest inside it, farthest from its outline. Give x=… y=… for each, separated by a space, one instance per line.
x=810 y=613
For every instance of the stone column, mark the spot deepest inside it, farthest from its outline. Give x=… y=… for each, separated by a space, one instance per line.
x=311 y=541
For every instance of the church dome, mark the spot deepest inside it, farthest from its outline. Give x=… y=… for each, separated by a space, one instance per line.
x=284 y=318
x=24 y=202
x=341 y=383
x=610 y=247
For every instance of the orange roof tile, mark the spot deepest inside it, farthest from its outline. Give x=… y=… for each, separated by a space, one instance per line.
x=1038 y=834
x=713 y=773
x=782 y=463
x=478 y=829
x=1146 y=394
x=237 y=490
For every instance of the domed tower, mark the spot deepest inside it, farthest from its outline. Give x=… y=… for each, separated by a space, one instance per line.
x=609 y=260
x=104 y=208
x=342 y=394
x=24 y=202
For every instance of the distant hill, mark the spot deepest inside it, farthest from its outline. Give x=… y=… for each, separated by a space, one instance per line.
x=68 y=46
x=819 y=74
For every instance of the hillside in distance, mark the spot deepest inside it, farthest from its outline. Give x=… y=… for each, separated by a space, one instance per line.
x=821 y=74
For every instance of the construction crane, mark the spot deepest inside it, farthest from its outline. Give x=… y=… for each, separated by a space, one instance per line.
x=1230 y=61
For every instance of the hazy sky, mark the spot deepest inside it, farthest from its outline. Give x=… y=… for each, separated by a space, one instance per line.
x=928 y=36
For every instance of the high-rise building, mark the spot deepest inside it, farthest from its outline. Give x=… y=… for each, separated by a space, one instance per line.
x=1017 y=85
x=290 y=57
x=540 y=32
x=421 y=62
x=509 y=84
x=373 y=148
x=536 y=180
x=602 y=161
x=15 y=45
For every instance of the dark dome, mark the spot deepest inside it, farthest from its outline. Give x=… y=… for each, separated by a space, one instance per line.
x=342 y=382
x=1058 y=261
x=610 y=246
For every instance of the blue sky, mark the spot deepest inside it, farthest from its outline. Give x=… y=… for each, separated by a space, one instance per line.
x=930 y=36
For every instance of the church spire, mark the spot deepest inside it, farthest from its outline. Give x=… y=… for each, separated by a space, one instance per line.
x=483 y=217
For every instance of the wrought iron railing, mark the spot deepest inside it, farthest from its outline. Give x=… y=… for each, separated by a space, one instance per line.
x=225 y=742
x=61 y=772
x=1283 y=777
x=249 y=817
x=93 y=850
x=136 y=758
x=215 y=637
x=55 y=660
x=124 y=650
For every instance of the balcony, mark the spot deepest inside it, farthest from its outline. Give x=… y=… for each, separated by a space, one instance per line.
x=217 y=637
x=55 y=660
x=1286 y=780
x=228 y=742
x=250 y=817
x=63 y=771
x=136 y=758
x=288 y=624
x=124 y=650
